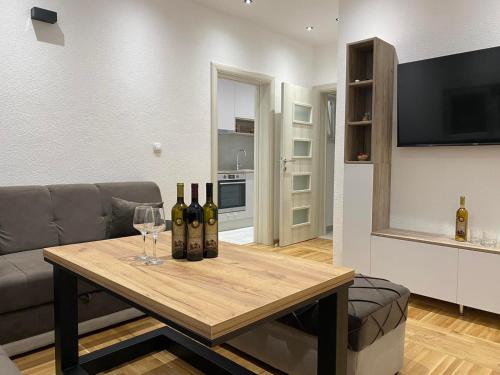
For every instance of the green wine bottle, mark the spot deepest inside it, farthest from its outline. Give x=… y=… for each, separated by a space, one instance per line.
x=179 y=225
x=194 y=220
x=210 y=225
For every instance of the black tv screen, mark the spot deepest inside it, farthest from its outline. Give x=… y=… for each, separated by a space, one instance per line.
x=450 y=100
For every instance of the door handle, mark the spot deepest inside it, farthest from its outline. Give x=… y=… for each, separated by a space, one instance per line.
x=284 y=162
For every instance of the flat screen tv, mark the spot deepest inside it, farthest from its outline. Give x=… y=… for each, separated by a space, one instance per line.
x=450 y=100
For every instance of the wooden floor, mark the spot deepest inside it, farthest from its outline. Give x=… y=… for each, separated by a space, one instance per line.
x=438 y=339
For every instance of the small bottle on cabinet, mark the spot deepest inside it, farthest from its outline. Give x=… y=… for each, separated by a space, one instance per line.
x=462 y=219
x=179 y=225
x=210 y=225
x=194 y=221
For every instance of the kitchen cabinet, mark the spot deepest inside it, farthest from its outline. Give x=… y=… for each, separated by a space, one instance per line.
x=225 y=104
x=234 y=100
x=244 y=105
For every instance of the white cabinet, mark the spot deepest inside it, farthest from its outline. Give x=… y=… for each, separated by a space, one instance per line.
x=358 y=184
x=244 y=105
x=479 y=280
x=429 y=270
x=234 y=100
x=225 y=104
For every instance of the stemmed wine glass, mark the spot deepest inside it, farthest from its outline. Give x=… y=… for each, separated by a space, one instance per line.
x=157 y=225
x=143 y=219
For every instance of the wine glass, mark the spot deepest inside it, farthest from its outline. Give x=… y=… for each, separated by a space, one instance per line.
x=157 y=225
x=143 y=219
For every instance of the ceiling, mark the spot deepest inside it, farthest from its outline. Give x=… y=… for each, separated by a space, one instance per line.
x=289 y=17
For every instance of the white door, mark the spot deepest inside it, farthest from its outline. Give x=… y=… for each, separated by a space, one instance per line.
x=299 y=165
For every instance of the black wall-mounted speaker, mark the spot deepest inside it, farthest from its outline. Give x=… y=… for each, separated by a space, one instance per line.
x=43 y=15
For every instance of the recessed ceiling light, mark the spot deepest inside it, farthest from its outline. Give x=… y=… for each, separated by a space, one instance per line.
x=248 y=2
x=310 y=28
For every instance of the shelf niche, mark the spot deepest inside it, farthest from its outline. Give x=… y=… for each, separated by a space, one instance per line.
x=360 y=57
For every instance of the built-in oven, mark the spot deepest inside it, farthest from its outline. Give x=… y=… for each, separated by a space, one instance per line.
x=232 y=192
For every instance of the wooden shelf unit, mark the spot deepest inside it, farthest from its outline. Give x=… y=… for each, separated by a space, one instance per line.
x=369 y=90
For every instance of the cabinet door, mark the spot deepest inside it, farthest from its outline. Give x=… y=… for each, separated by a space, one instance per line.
x=425 y=269
x=244 y=100
x=358 y=185
x=225 y=104
x=479 y=280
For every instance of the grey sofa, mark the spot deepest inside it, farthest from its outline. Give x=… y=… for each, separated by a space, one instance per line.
x=35 y=217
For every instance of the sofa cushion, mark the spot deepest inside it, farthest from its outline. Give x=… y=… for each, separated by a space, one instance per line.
x=26 y=281
x=122 y=216
x=78 y=213
x=26 y=220
x=7 y=367
x=144 y=191
x=376 y=307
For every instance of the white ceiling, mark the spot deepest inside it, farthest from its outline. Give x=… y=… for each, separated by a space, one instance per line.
x=289 y=17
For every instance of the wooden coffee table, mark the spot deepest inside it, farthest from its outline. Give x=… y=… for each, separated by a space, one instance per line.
x=203 y=304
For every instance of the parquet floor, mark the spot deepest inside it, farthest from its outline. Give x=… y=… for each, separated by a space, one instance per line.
x=438 y=339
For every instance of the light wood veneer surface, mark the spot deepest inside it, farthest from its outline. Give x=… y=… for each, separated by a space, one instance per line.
x=211 y=298
x=433 y=239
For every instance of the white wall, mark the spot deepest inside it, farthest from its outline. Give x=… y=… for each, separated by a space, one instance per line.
x=82 y=100
x=426 y=182
x=325 y=63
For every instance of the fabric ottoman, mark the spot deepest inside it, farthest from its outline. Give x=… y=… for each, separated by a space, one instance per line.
x=7 y=367
x=377 y=315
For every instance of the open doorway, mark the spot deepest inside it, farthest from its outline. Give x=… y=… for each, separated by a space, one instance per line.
x=236 y=109
x=242 y=115
x=328 y=109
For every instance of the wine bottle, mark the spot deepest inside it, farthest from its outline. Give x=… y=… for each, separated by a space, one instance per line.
x=179 y=225
x=462 y=219
x=194 y=221
x=210 y=225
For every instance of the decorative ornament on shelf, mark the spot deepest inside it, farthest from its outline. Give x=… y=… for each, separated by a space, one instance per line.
x=367 y=116
x=363 y=156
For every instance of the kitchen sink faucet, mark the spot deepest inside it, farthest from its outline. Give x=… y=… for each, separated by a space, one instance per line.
x=238 y=164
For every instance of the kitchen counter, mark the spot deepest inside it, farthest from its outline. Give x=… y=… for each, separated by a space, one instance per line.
x=235 y=171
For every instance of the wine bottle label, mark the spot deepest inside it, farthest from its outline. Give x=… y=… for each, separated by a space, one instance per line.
x=195 y=238
x=211 y=234
x=460 y=226
x=178 y=235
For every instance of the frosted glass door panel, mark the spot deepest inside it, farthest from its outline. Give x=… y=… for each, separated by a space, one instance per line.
x=301 y=182
x=302 y=114
x=301 y=148
x=300 y=216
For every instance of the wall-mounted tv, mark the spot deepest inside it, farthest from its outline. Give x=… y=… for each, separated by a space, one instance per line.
x=450 y=100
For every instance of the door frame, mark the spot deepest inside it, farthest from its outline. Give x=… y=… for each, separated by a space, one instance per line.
x=320 y=92
x=263 y=144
